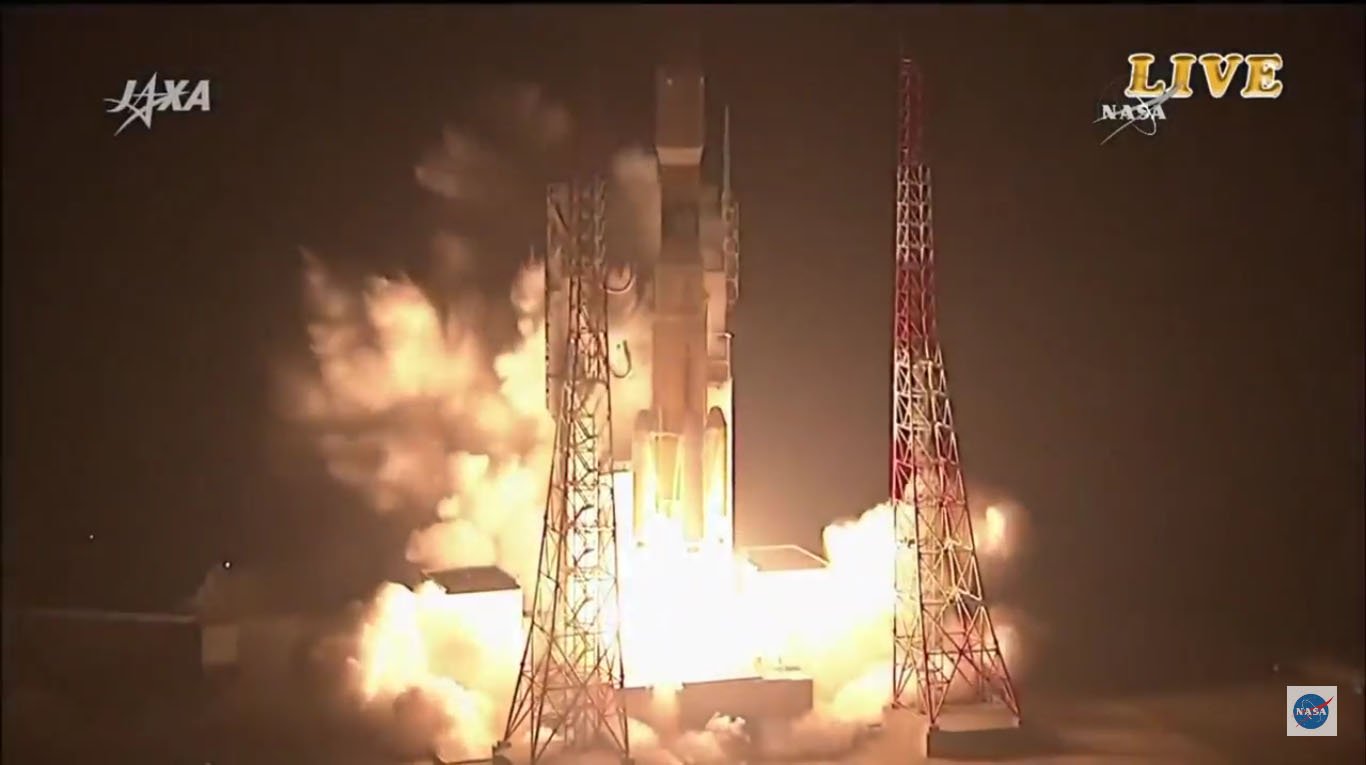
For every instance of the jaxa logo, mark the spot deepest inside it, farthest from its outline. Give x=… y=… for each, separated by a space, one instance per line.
x=175 y=95
x=1311 y=710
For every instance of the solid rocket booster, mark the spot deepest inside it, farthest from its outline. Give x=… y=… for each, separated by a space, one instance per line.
x=643 y=473
x=716 y=476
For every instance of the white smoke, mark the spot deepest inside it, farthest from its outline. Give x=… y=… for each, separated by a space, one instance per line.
x=718 y=742
x=634 y=220
x=437 y=667
x=837 y=629
x=490 y=167
x=416 y=408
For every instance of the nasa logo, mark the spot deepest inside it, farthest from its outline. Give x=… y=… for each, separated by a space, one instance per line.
x=1310 y=710
x=1142 y=116
x=1129 y=112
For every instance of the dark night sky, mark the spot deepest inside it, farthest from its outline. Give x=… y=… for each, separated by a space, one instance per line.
x=1155 y=345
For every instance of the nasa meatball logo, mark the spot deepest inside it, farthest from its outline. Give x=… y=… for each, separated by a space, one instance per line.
x=1311 y=710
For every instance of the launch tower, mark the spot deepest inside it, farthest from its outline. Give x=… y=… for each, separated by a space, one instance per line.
x=569 y=686
x=943 y=638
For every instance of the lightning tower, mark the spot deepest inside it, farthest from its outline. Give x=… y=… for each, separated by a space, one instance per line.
x=569 y=687
x=943 y=636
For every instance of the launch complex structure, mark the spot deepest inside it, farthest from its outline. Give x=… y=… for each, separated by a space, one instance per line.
x=943 y=636
x=676 y=467
x=675 y=471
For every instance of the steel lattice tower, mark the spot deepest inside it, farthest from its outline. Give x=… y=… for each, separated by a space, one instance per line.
x=569 y=687
x=942 y=632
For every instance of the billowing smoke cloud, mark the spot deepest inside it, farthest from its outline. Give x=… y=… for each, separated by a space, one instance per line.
x=420 y=403
x=441 y=664
x=413 y=409
x=634 y=221
x=416 y=407
x=851 y=676
x=836 y=628
x=633 y=235
x=1000 y=525
x=488 y=167
x=412 y=404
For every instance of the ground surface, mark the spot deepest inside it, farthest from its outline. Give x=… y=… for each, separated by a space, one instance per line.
x=1236 y=724
x=1229 y=725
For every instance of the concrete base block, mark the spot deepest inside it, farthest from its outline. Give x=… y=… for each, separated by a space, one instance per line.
x=972 y=732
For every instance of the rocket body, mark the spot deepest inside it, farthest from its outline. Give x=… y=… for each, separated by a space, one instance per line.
x=679 y=381
x=680 y=438
x=689 y=451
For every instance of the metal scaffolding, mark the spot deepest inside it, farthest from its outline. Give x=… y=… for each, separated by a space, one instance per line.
x=942 y=631
x=568 y=691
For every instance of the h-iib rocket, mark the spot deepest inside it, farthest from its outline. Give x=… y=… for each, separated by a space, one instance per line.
x=683 y=450
x=673 y=460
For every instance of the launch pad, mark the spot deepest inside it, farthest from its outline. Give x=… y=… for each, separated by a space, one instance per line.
x=756 y=700
x=643 y=540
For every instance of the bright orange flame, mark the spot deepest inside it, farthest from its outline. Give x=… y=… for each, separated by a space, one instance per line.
x=454 y=650
x=992 y=533
x=687 y=615
x=704 y=614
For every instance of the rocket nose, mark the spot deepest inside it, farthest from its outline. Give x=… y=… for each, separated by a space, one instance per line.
x=678 y=109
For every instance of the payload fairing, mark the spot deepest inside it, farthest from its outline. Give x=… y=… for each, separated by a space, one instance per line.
x=675 y=471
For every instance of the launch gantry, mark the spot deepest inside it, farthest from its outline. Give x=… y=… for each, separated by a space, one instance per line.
x=569 y=686
x=942 y=629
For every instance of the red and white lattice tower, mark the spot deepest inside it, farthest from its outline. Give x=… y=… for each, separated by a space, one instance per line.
x=943 y=636
x=569 y=688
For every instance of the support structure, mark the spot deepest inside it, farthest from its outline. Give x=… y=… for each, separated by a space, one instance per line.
x=724 y=392
x=568 y=691
x=943 y=636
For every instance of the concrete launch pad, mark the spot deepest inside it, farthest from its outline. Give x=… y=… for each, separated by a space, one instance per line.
x=754 y=699
x=974 y=730
x=777 y=558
